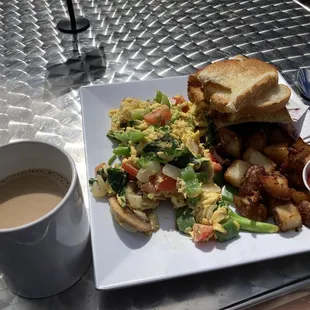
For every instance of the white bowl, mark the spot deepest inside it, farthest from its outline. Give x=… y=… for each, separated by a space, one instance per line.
x=305 y=174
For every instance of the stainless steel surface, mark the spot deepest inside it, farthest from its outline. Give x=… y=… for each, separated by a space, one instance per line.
x=39 y=99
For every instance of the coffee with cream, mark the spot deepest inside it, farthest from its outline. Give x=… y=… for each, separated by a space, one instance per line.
x=28 y=195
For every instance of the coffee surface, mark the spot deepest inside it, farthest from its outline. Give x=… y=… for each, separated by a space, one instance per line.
x=28 y=195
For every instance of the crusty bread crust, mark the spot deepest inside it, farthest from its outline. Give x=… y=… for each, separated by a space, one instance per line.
x=282 y=116
x=194 y=88
x=230 y=84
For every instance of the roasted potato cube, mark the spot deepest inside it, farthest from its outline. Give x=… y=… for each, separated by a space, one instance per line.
x=250 y=207
x=230 y=141
x=299 y=155
x=277 y=152
x=299 y=197
x=257 y=158
x=300 y=145
x=287 y=217
x=257 y=141
x=271 y=203
x=236 y=171
x=304 y=210
x=251 y=182
x=276 y=185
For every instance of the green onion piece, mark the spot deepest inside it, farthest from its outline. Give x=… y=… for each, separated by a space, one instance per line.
x=138 y=114
x=192 y=185
x=188 y=174
x=158 y=96
x=135 y=136
x=122 y=151
x=165 y=100
x=250 y=225
x=111 y=160
x=232 y=231
x=228 y=193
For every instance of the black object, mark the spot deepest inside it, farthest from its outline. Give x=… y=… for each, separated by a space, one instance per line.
x=73 y=25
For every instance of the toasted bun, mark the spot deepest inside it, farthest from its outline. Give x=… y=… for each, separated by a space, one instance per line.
x=282 y=116
x=230 y=84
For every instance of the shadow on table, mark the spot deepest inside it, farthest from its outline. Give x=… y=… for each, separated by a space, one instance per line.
x=220 y=289
x=78 y=70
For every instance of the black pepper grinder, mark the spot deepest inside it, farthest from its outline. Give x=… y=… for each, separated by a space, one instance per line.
x=73 y=25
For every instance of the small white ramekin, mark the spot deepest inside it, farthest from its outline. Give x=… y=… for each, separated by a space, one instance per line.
x=305 y=174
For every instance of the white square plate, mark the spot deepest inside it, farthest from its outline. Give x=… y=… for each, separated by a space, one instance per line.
x=122 y=258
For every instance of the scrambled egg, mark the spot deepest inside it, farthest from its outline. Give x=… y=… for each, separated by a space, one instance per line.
x=205 y=207
x=124 y=113
x=187 y=124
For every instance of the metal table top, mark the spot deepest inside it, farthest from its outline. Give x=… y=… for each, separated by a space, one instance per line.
x=40 y=75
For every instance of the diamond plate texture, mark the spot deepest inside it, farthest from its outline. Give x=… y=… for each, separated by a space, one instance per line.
x=41 y=72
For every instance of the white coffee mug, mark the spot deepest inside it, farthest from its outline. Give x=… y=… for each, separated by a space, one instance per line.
x=49 y=255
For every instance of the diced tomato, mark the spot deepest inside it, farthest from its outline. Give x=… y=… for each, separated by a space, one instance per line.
x=202 y=232
x=159 y=183
x=159 y=116
x=165 y=183
x=217 y=167
x=131 y=178
x=211 y=157
x=178 y=99
x=130 y=169
x=100 y=166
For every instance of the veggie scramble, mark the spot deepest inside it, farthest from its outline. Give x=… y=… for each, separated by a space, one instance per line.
x=163 y=149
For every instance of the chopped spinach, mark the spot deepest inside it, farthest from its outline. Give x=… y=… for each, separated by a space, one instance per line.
x=122 y=136
x=102 y=173
x=164 y=144
x=203 y=177
x=117 y=179
x=91 y=181
x=222 y=203
x=218 y=178
x=211 y=133
x=185 y=158
x=193 y=201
